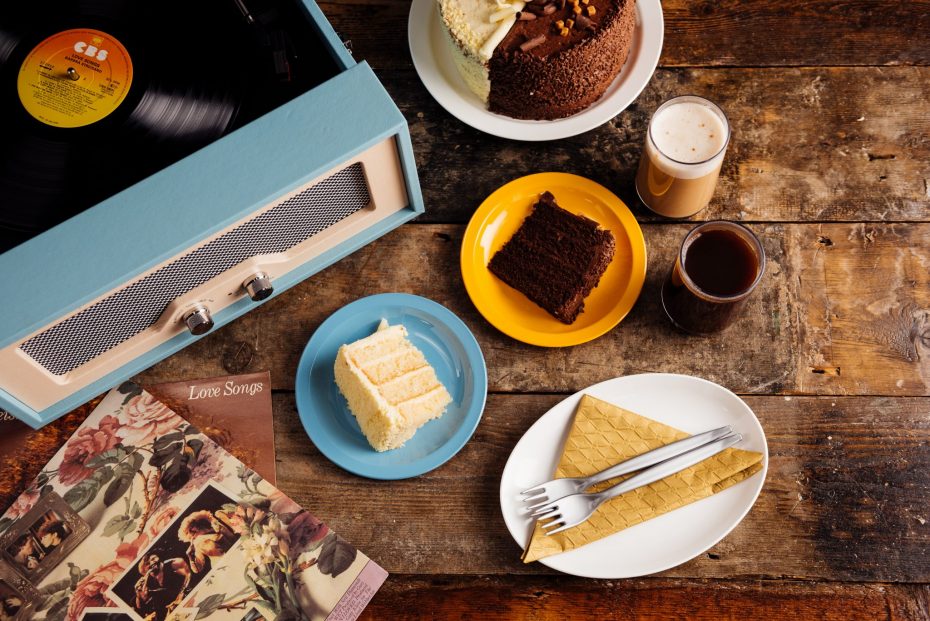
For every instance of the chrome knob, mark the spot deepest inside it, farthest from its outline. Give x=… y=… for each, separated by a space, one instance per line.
x=258 y=286
x=198 y=320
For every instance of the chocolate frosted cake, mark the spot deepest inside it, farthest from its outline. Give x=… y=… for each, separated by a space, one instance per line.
x=544 y=59
x=555 y=258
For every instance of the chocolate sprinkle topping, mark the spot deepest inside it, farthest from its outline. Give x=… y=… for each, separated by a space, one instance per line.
x=564 y=74
x=525 y=16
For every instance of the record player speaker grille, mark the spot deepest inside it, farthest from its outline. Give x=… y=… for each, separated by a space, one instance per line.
x=127 y=312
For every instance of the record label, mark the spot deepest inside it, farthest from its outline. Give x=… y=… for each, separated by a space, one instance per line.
x=75 y=78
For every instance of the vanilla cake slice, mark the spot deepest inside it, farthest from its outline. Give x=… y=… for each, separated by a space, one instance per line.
x=390 y=387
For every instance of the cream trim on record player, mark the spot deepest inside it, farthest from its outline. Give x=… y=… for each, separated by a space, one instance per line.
x=37 y=387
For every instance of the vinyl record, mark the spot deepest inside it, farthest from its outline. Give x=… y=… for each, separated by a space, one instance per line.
x=97 y=94
x=8 y=42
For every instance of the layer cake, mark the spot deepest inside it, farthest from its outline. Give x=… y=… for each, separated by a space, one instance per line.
x=555 y=258
x=544 y=59
x=390 y=387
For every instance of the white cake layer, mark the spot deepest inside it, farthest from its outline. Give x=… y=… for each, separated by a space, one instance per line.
x=426 y=407
x=390 y=388
x=473 y=30
x=378 y=345
x=409 y=385
x=393 y=365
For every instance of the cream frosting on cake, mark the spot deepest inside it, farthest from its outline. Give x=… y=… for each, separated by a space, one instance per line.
x=538 y=59
x=391 y=389
x=473 y=29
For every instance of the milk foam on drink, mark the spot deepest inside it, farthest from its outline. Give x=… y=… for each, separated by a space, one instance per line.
x=687 y=140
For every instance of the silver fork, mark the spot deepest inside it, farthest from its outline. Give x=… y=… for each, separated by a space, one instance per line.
x=576 y=508
x=555 y=489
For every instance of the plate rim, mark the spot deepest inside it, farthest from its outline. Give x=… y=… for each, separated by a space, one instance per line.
x=471 y=420
x=575 y=337
x=577 y=395
x=421 y=23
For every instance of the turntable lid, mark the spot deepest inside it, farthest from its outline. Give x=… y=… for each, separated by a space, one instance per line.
x=105 y=246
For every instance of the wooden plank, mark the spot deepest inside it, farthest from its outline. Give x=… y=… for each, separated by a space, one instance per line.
x=555 y=598
x=729 y=33
x=845 y=497
x=818 y=144
x=866 y=308
x=778 y=346
x=821 y=32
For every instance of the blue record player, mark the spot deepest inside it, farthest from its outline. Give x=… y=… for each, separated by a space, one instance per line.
x=146 y=271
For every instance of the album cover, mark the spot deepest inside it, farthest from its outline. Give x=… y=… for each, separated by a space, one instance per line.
x=179 y=529
x=234 y=411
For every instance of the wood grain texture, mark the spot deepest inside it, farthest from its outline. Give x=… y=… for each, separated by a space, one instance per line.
x=709 y=33
x=819 y=32
x=551 y=598
x=817 y=144
x=785 y=342
x=867 y=320
x=845 y=497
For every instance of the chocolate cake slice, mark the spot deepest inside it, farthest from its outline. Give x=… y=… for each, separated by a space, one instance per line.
x=555 y=258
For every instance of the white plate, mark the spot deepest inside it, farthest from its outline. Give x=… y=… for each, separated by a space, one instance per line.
x=433 y=61
x=688 y=403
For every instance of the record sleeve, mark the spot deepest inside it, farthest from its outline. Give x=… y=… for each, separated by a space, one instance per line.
x=179 y=529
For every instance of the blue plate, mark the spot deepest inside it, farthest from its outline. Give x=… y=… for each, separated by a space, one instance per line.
x=449 y=346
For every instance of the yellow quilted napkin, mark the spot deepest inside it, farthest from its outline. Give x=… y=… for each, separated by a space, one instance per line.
x=603 y=435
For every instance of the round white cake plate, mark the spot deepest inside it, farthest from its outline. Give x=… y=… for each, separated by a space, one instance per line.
x=433 y=61
x=688 y=403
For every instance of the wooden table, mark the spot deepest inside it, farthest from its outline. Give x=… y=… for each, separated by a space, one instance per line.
x=830 y=166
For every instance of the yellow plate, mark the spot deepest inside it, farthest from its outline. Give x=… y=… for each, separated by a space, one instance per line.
x=508 y=310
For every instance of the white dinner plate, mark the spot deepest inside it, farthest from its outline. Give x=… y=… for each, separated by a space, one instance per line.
x=688 y=403
x=433 y=61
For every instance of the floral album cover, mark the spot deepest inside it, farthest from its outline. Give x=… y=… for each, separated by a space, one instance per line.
x=234 y=411
x=166 y=525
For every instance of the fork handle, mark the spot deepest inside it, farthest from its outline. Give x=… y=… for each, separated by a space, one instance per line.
x=657 y=455
x=670 y=466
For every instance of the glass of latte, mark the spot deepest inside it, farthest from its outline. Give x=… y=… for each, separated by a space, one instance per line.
x=685 y=145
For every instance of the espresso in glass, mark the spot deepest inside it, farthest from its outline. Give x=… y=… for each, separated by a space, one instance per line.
x=718 y=266
x=685 y=145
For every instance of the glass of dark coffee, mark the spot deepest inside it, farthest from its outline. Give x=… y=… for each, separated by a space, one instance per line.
x=717 y=268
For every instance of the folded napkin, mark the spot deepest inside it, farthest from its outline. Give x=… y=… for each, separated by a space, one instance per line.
x=603 y=435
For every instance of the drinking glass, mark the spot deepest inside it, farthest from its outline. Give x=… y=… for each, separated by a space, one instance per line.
x=718 y=266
